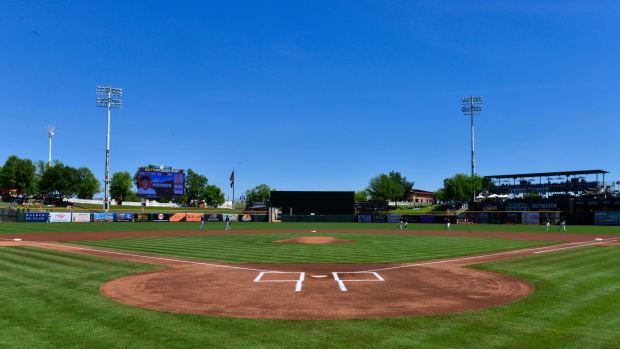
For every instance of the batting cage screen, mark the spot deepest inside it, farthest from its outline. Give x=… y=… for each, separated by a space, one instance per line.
x=314 y=202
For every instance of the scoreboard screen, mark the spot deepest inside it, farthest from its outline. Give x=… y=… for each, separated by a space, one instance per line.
x=160 y=185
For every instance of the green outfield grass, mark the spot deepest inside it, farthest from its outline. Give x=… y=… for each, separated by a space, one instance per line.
x=259 y=248
x=51 y=299
x=13 y=228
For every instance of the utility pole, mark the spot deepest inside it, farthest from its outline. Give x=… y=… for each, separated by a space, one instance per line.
x=111 y=100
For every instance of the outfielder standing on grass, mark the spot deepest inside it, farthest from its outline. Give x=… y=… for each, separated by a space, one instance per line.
x=562 y=225
x=406 y=221
x=400 y=226
x=227 y=222
x=203 y=220
x=548 y=223
x=448 y=223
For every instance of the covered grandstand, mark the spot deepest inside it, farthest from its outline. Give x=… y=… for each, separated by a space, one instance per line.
x=547 y=182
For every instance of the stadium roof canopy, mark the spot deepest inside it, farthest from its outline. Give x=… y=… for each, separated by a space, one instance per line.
x=548 y=174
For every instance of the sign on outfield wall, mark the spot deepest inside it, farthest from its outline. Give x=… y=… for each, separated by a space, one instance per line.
x=193 y=217
x=214 y=217
x=231 y=217
x=160 y=217
x=123 y=217
x=177 y=217
x=530 y=218
x=80 y=217
x=364 y=218
x=60 y=217
x=607 y=218
x=103 y=217
x=35 y=217
x=143 y=217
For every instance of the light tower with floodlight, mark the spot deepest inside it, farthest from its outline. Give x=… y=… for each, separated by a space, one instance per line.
x=110 y=99
x=51 y=130
x=471 y=106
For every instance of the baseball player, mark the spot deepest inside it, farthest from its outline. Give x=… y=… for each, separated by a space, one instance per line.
x=448 y=223
x=548 y=224
x=227 y=222
x=406 y=221
x=400 y=226
x=203 y=220
x=562 y=225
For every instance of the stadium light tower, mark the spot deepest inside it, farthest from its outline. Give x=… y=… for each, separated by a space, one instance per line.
x=471 y=106
x=110 y=99
x=51 y=130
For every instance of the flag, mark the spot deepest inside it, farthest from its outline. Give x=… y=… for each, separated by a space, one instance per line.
x=232 y=178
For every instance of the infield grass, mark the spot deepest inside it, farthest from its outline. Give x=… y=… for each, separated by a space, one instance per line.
x=51 y=299
x=259 y=248
x=25 y=228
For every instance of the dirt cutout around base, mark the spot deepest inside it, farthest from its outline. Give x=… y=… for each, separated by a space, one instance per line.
x=314 y=240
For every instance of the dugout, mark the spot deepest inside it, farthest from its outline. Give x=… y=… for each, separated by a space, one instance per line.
x=313 y=203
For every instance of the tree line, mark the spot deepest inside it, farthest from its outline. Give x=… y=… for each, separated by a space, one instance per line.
x=393 y=186
x=55 y=180
x=61 y=181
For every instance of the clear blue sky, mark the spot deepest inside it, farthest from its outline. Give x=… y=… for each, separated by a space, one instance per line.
x=318 y=95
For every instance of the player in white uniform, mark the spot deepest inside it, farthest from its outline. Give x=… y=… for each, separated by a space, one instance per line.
x=548 y=224
x=562 y=225
x=227 y=222
x=447 y=223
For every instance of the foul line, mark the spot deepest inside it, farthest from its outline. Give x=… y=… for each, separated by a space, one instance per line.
x=566 y=246
x=147 y=257
x=544 y=248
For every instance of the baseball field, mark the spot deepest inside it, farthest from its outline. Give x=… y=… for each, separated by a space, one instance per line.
x=308 y=285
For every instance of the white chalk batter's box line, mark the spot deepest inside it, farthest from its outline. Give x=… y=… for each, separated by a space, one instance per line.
x=298 y=282
x=302 y=275
x=341 y=282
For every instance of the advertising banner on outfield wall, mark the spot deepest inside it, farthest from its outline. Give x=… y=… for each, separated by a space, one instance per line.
x=214 y=218
x=142 y=217
x=103 y=217
x=393 y=219
x=607 y=218
x=60 y=217
x=35 y=217
x=232 y=217
x=123 y=217
x=530 y=218
x=160 y=217
x=177 y=217
x=379 y=218
x=426 y=219
x=364 y=218
x=80 y=217
x=246 y=218
x=193 y=217
x=412 y=218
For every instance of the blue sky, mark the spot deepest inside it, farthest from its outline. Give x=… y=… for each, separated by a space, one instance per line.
x=317 y=95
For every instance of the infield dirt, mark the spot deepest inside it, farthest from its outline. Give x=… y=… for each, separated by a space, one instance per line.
x=216 y=289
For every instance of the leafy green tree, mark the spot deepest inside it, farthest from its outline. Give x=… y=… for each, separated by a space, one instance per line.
x=120 y=187
x=87 y=184
x=213 y=195
x=462 y=187
x=258 y=193
x=361 y=195
x=404 y=183
x=439 y=195
x=392 y=186
x=384 y=187
x=195 y=186
x=65 y=182
x=19 y=174
x=58 y=180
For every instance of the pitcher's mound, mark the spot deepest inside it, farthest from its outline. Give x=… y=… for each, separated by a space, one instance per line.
x=314 y=240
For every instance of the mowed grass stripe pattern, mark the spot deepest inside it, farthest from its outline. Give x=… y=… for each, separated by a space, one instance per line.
x=28 y=228
x=260 y=248
x=51 y=299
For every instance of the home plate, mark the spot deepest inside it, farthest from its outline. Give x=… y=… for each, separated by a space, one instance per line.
x=318 y=276
x=17 y=239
